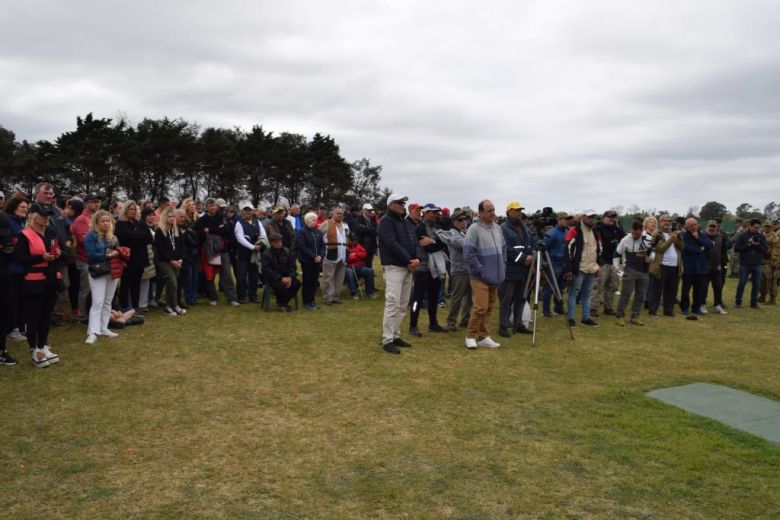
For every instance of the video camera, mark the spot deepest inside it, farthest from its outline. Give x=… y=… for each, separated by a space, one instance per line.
x=542 y=220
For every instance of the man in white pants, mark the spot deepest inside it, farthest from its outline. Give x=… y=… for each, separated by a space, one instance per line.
x=398 y=254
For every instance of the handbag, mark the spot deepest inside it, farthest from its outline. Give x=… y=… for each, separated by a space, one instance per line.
x=215 y=260
x=98 y=269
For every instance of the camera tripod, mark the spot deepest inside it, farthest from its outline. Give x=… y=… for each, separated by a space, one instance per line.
x=542 y=266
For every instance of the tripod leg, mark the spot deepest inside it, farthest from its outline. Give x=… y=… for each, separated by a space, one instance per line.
x=557 y=294
x=538 y=260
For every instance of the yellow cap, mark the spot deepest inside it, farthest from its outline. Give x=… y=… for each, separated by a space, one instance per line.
x=514 y=205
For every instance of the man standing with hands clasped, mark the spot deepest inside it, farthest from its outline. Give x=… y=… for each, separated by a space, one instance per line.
x=398 y=254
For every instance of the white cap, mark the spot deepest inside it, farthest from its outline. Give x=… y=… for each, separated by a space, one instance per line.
x=589 y=212
x=368 y=206
x=2 y=195
x=396 y=197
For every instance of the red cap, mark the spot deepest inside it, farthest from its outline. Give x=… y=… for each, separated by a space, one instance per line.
x=414 y=205
x=445 y=212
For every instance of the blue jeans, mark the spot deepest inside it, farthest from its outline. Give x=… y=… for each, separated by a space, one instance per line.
x=362 y=272
x=548 y=290
x=190 y=274
x=755 y=272
x=581 y=286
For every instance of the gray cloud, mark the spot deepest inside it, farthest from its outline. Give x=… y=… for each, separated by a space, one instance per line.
x=564 y=103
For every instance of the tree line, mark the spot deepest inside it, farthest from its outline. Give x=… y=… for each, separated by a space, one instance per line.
x=164 y=157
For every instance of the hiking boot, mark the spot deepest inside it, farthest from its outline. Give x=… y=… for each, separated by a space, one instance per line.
x=621 y=322
x=504 y=332
x=398 y=342
x=637 y=321
x=413 y=331
x=589 y=322
x=390 y=348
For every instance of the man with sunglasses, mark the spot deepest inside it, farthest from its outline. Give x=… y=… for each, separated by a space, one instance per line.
x=398 y=255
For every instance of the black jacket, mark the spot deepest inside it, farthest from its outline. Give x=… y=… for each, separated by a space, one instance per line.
x=365 y=232
x=310 y=243
x=610 y=238
x=277 y=263
x=168 y=247
x=397 y=242
x=136 y=236
x=751 y=255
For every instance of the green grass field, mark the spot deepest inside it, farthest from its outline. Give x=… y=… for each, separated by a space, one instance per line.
x=237 y=413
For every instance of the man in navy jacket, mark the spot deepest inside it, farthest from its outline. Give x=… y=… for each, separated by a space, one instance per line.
x=694 y=255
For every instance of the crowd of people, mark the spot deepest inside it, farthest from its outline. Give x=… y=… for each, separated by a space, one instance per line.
x=105 y=265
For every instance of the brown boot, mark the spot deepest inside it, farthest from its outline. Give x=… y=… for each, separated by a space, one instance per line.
x=772 y=301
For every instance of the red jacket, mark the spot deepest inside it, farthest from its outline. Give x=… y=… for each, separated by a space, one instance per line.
x=356 y=256
x=80 y=228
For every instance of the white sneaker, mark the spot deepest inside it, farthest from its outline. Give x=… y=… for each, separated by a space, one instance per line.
x=488 y=342
x=213 y=303
x=471 y=343
x=15 y=335
x=234 y=303
x=109 y=333
x=703 y=309
x=91 y=339
x=170 y=312
x=720 y=310
x=51 y=356
x=39 y=358
x=180 y=311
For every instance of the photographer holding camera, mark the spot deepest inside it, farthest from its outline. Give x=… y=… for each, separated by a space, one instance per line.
x=752 y=248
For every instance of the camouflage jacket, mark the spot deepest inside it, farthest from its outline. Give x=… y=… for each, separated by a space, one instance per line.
x=773 y=246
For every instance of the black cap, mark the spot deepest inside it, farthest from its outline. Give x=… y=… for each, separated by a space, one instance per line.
x=274 y=236
x=91 y=197
x=44 y=210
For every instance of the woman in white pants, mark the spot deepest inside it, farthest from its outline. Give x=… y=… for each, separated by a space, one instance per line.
x=100 y=244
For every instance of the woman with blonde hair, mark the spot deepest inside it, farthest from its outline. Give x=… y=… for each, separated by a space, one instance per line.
x=168 y=243
x=650 y=227
x=190 y=211
x=132 y=233
x=101 y=246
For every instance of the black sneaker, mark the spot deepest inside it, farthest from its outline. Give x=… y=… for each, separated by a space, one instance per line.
x=436 y=328
x=413 y=331
x=390 y=348
x=522 y=329
x=504 y=332
x=398 y=342
x=6 y=359
x=589 y=322
x=572 y=323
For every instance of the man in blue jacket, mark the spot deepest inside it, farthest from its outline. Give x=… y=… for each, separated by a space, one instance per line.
x=694 y=255
x=520 y=253
x=555 y=243
x=398 y=254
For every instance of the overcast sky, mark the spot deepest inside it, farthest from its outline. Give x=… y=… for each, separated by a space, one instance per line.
x=571 y=104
